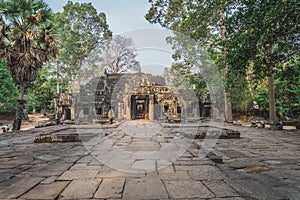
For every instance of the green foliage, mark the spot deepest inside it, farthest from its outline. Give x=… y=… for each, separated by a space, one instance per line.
x=32 y=101
x=264 y=32
x=261 y=98
x=198 y=20
x=182 y=76
x=239 y=87
x=41 y=93
x=288 y=84
x=8 y=90
x=287 y=88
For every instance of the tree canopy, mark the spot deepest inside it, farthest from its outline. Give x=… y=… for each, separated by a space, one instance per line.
x=26 y=41
x=81 y=30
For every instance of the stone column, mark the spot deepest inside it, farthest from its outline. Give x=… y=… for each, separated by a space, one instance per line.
x=72 y=110
x=128 y=107
x=151 y=107
x=119 y=113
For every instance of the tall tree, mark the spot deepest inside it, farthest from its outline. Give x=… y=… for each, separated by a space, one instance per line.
x=81 y=31
x=265 y=33
x=202 y=21
x=26 y=42
x=119 y=55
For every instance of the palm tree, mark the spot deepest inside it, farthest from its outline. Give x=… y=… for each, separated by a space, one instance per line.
x=25 y=42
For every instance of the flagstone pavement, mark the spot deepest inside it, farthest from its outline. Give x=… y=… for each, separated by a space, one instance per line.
x=145 y=160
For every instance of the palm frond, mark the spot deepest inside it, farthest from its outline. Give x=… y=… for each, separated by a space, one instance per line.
x=25 y=37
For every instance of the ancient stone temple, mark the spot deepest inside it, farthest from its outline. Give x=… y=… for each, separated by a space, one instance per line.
x=137 y=96
x=63 y=107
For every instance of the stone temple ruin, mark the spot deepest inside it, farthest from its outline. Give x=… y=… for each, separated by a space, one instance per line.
x=137 y=96
x=134 y=97
x=63 y=107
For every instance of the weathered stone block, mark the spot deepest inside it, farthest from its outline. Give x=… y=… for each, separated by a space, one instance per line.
x=218 y=134
x=57 y=138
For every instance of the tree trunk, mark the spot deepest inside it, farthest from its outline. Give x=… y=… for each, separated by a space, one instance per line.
x=57 y=78
x=19 y=113
x=228 y=108
x=272 y=107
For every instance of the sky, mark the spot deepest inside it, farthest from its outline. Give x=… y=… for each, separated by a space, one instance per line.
x=126 y=17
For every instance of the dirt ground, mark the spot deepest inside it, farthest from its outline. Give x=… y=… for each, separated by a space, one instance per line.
x=34 y=119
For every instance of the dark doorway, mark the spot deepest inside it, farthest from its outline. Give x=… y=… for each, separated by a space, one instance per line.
x=139 y=106
x=67 y=113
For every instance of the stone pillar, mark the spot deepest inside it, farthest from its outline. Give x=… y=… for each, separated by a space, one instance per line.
x=72 y=110
x=119 y=113
x=151 y=107
x=128 y=107
x=184 y=111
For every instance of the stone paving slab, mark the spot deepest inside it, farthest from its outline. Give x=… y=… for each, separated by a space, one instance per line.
x=178 y=175
x=53 y=169
x=46 y=191
x=17 y=189
x=255 y=189
x=142 y=188
x=201 y=175
x=262 y=164
x=183 y=189
x=80 y=189
x=79 y=174
x=144 y=165
x=110 y=188
x=108 y=172
x=221 y=189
